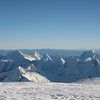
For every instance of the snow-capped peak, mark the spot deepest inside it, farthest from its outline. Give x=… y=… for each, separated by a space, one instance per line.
x=37 y=55
x=34 y=57
x=26 y=56
x=88 y=54
x=48 y=58
x=93 y=51
x=19 y=51
x=63 y=61
x=78 y=60
x=32 y=76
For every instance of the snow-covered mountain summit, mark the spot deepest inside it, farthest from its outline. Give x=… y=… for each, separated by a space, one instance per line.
x=35 y=56
x=89 y=55
x=48 y=68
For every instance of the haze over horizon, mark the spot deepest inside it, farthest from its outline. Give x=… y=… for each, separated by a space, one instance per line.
x=58 y=24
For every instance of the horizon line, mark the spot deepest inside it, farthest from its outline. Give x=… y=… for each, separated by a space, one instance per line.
x=50 y=49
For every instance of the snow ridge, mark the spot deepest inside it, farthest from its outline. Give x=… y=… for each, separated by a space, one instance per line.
x=18 y=66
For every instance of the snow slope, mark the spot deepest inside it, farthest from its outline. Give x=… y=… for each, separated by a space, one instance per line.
x=48 y=91
x=90 y=81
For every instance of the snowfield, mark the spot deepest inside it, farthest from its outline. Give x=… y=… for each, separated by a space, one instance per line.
x=48 y=91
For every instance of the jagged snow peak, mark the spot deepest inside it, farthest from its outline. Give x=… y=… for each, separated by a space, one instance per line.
x=88 y=54
x=78 y=60
x=37 y=56
x=63 y=61
x=39 y=68
x=34 y=57
x=26 y=56
x=32 y=76
x=48 y=58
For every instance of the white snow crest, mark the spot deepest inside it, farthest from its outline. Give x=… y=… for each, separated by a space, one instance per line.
x=63 y=61
x=88 y=59
x=37 y=55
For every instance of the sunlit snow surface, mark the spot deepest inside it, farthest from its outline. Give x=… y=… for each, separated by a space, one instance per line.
x=48 y=91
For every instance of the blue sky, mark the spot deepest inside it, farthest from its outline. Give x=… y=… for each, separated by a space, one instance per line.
x=63 y=24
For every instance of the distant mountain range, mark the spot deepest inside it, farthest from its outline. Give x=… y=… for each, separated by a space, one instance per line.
x=51 y=52
x=16 y=65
